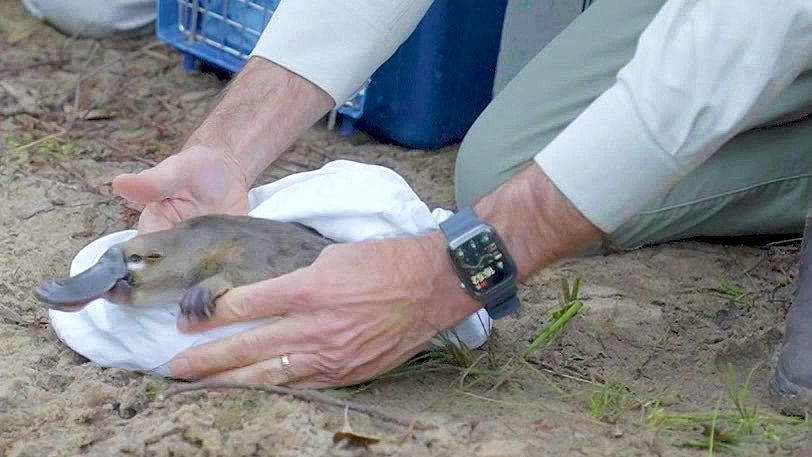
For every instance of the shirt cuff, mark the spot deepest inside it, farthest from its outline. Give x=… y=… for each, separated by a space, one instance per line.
x=607 y=163
x=337 y=45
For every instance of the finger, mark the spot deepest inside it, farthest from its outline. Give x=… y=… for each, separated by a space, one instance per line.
x=157 y=217
x=244 y=349
x=151 y=185
x=310 y=370
x=299 y=368
x=275 y=297
x=325 y=377
x=152 y=225
x=304 y=371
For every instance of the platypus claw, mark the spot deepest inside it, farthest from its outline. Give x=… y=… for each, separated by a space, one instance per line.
x=197 y=303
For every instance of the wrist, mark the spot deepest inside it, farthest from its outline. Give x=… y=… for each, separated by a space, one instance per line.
x=230 y=172
x=537 y=222
x=537 y=225
x=261 y=113
x=449 y=303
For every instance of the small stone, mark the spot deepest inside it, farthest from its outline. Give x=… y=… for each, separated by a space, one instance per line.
x=132 y=401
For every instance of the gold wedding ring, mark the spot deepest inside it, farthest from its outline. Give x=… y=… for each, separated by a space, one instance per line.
x=285 y=360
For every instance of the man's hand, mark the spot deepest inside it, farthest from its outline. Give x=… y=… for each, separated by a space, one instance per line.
x=362 y=309
x=196 y=181
x=359 y=310
x=261 y=113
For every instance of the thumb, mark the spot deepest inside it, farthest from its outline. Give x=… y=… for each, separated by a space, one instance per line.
x=151 y=185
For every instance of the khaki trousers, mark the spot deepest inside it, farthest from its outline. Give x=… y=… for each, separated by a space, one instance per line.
x=757 y=183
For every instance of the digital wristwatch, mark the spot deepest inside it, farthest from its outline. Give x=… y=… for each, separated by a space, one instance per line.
x=482 y=263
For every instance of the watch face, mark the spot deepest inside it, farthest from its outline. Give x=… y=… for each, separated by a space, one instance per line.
x=482 y=263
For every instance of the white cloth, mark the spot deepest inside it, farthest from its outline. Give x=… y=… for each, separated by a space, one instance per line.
x=344 y=200
x=701 y=72
x=97 y=19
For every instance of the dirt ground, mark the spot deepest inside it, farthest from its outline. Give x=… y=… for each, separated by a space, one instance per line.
x=642 y=370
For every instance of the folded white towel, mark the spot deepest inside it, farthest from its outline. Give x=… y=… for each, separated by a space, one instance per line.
x=345 y=201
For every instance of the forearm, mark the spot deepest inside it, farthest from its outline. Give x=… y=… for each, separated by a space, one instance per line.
x=538 y=225
x=297 y=73
x=263 y=110
x=673 y=105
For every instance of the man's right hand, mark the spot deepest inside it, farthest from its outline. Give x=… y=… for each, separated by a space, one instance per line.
x=262 y=112
x=196 y=181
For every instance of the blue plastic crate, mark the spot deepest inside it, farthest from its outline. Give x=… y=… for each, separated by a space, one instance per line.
x=430 y=92
x=220 y=33
x=425 y=96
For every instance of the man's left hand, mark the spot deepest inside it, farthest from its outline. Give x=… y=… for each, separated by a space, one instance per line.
x=361 y=309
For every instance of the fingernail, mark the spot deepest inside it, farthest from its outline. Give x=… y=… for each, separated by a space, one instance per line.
x=180 y=368
x=186 y=325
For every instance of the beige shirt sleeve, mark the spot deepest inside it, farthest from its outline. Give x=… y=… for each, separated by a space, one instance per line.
x=701 y=72
x=338 y=44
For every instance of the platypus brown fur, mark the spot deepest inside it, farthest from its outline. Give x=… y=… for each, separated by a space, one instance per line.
x=190 y=264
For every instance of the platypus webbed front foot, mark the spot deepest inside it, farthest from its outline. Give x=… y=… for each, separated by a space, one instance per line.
x=197 y=303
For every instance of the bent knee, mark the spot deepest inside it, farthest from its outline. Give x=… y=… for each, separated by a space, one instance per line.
x=468 y=178
x=94 y=19
x=478 y=170
x=487 y=158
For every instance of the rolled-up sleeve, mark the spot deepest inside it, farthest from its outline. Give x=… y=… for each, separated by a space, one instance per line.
x=701 y=73
x=338 y=44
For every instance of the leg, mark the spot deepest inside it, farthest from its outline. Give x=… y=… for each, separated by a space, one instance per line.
x=757 y=183
x=792 y=379
x=95 y=19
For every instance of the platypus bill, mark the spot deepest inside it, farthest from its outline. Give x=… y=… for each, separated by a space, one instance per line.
x=191 y=264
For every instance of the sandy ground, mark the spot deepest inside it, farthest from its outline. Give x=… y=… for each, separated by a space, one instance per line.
x=652 y=346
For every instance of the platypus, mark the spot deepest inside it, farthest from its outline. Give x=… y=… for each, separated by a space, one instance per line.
x=190 y=264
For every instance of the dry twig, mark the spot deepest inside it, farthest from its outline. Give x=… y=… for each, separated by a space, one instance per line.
x=301 y=394
x=79 y=81
x=10 y=315
x=77 y=91
x=35 y=61
x=782 y=242
x=53 y=207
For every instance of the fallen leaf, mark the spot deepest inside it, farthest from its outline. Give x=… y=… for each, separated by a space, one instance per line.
x=197 y=95
x=99 y=114
x=25 y=97
x=354 y=439
x=542 y=426
x=19 y=35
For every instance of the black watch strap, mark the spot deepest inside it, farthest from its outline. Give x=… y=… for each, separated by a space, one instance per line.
x=460 y=223
x=504 y=301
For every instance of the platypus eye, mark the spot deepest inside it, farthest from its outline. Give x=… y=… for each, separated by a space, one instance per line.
x=134 y=258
